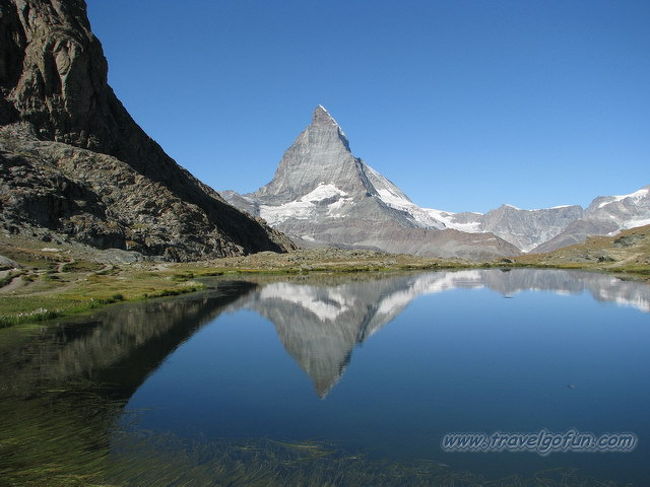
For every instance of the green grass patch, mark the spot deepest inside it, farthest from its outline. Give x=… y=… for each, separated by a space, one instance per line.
x=82 y=266
x=19 y=309
x=15 y=310
x=173 y=292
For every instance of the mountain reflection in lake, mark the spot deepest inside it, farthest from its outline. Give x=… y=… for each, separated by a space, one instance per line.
x=201 y=390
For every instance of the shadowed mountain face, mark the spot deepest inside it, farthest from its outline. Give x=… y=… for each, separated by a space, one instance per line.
x=74 y=163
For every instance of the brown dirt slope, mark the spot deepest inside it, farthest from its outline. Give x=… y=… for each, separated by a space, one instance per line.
x=627 y=251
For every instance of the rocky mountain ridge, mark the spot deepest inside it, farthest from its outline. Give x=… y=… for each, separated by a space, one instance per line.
x=76 y=166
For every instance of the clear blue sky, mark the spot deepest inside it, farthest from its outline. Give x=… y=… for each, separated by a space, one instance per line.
x=464 y=104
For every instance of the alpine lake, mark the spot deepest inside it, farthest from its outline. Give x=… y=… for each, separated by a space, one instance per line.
x=333 y=380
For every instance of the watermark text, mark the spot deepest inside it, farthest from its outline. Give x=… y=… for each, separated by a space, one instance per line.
x=542 y=442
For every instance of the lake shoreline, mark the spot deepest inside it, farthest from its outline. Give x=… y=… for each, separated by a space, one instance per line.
x=39 y=293
x=44 y=283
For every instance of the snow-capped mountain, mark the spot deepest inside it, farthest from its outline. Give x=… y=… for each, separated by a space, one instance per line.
x=548 y=229
x=322 y=194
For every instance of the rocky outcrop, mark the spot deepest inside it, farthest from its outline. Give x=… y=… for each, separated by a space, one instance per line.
x=74 y=162
x=7 y=263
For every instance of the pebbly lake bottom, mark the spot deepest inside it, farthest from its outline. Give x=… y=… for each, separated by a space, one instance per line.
x=334 y=381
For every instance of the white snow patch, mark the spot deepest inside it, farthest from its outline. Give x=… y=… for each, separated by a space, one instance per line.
x=642 y=193
x=421 y=216
x=448 y=219
x=322 y=192
x=427 y=217
x=335 y=210
x=390 y=198
x=610 y=294
x=428 y=284
x=636 y=223
x=637 y=302
x=327 y=309
x=302 y=208
x=537 y=209
x=473 y=227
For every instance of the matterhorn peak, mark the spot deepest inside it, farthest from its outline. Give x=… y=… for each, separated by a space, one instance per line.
x=322 y=116
x=321 y=194
x=323 y=122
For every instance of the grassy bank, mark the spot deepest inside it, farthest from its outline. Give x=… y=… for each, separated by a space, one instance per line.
x=55 y=282
x=49 y=285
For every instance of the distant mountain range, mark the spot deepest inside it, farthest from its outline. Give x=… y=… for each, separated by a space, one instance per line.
x=322 y=194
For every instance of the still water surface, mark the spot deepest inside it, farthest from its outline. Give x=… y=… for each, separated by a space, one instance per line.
x=351 y=381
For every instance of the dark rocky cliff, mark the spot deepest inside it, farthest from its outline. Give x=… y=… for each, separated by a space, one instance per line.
x=75 y=163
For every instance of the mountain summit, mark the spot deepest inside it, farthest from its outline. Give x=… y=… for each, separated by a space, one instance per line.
x=75 y=166
x=322 y=117
x=321 y=154
x=321 y=194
